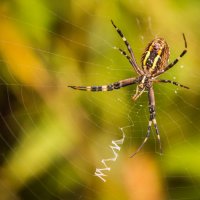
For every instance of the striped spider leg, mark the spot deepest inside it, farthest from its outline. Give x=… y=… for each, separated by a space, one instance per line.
x=169 y=81
x=132 y=59
x=152 y=119
x=154 y=62
x=109 y=87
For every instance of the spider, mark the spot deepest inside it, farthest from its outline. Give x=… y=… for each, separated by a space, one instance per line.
x=154 y=63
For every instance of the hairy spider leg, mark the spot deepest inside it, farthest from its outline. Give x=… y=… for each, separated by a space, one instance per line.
x=125 y=54
x=138 y=93
x=152 y=118
x=172 y=82
x=134 y=63
x=152 y=112
x=140 y=89
x=145 y=139
x=109 y=87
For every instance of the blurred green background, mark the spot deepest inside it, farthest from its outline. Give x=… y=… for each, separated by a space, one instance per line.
x=52 y=138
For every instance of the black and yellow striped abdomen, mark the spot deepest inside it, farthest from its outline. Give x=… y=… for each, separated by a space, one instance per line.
x=155 y=57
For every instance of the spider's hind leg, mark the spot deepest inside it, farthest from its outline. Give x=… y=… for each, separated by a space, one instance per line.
x=152 y=119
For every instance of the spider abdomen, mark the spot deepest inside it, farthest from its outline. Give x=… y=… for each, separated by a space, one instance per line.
x=156 y=56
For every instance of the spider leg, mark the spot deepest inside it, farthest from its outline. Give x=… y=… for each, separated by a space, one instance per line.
x=109 y=87
x=172 y=82
x=145 y=139
x=139 y=89
x=138 y=93
x=134 y=64
x=125 y=54
x=152 y=112
x=158 y=134
x=151 y=119
x=176 y=60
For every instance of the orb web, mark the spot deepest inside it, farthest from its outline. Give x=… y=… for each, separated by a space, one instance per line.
x=53 y=138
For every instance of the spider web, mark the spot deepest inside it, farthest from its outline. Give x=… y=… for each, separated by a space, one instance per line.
x=54 y=138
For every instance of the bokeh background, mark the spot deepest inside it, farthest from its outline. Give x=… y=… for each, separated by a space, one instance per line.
x=53 y=138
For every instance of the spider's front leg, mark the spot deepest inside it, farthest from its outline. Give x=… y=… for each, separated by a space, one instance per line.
x=153 y=114
x=152 y=119
x=139 y=90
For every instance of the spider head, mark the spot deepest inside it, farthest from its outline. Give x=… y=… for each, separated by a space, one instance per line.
x=156 y=56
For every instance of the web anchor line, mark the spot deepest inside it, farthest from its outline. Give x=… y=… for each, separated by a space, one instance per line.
x=115 y=148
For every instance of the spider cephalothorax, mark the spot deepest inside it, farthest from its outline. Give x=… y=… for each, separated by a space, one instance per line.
x=154 y=62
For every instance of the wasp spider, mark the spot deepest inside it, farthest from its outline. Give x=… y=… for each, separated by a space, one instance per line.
x=154 y=63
